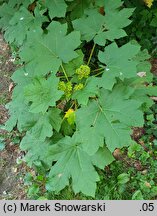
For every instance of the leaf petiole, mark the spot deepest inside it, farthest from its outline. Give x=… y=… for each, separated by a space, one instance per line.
x=91 y=54
x=64 y=73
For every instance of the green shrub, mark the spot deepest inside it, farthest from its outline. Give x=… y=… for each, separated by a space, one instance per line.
x=78 y=94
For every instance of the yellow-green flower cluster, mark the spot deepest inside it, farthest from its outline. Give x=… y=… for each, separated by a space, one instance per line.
x=66 y=87
x=83 y=71
x=78 y=87
x=62 y=86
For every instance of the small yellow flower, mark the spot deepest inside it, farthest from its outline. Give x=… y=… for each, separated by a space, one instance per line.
x=149 y=3
x=70 y=116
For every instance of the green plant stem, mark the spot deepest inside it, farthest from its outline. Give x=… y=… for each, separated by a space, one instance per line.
x=98 y=69
x=63 y=76
x=74 y=103
x=65 y=73
x=99 y=73
x=92 y=51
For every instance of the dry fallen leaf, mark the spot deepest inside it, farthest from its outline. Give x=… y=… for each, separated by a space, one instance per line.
x=141 y=74
x=11 y=86
x=144 y=172
x=147 y=184
x=117 y=154
x=154 y=98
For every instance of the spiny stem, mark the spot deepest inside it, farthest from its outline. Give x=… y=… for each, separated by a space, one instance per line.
x=91 y=54
x=64 y=72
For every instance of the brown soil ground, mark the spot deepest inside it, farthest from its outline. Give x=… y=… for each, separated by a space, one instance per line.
x=11 y=174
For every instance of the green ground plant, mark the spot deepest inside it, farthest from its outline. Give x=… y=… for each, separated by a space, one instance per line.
x=133 y=177
x=144 y=25
x=78 y=93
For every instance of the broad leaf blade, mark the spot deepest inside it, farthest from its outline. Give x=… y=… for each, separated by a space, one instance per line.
x=46 y=52
x=102 y=158
x=100 y=28
x=72 y=162
x=43 y=93
x=57 y=8
x=112 y=116
x=120 y=62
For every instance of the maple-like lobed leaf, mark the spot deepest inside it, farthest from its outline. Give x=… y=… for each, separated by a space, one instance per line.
x=42 y=128
x=19 y=112
x=43 y=93
x=89 y=90
x=37 y=150
x=110 y=116
x=76 y=164
x=57 y=8
x=90 y=25
x=46 y=52
x=6 y=13
x=21 y=24
x=120 y=63
x=97 y=27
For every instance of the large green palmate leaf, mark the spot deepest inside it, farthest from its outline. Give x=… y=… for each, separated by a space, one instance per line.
x=110 y=116
x=9 y=9
x=120 y=62
x=43 y=93
x=116 y=19
x=21 y=23
x=45 y=124
x=102 y=158
x=91 y=26
x=20 y=115
x=18 y=108
x=95 y=26
x=37 y=150
x=22 y=78
x=91 y=139
x=73 y=162
x=89 y=90
x=42 y=128
x=46 y=52
x=55 y=118
x=57 y=8
x=6 y=13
